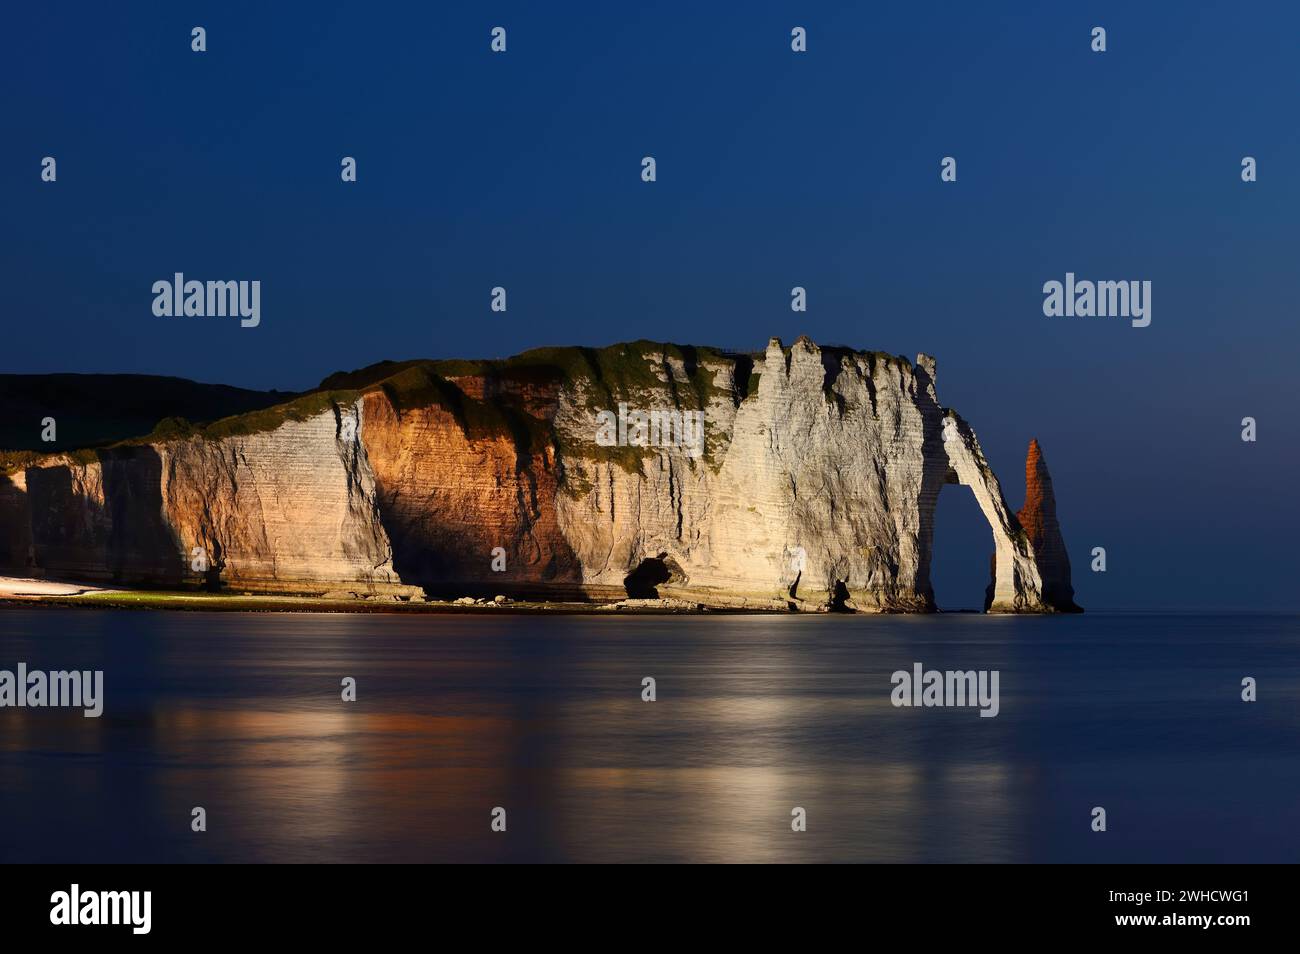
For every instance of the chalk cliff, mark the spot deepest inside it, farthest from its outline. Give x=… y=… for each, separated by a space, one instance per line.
x=814 y=488
x=282 y=509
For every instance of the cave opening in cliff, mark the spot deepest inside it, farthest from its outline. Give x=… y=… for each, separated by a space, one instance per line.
x=643 y=583
x=960 y=551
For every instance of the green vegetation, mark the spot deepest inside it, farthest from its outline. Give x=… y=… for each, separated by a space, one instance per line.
x=368 y=376
x=881 y=358
x=634 y=372
x=268 y=419
x=614 y=373
x=12 y=461
x=171 y=429
x=576 y=486
x=459 y=368
x=84 y=456
x=236 y=602
x=623 y=372
x=605 y=377
x=418 y=386
x=267 y=603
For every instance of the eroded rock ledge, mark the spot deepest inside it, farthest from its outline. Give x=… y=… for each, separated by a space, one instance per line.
x=816 y=488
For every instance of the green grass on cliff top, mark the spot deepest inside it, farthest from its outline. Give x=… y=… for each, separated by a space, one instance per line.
x=606 y=376
x=615 y=372
x=178 y=428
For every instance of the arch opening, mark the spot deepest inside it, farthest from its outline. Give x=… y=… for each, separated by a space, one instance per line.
x=959 y=555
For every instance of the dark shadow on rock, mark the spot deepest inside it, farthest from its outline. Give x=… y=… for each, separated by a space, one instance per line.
x=142 y=546
x=643 y=583
x=125 y=538
x=839 y=602
x=70 y=530
x=17 y=551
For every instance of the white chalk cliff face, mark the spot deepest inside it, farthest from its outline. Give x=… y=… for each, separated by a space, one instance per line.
x=824 y=493
x=295 y=504
x=816 y=489
x=289 y=509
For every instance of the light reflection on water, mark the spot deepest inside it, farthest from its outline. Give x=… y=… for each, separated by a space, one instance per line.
x=755 y=715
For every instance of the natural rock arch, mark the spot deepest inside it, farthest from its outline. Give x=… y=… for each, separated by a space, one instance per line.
x=1016 y=583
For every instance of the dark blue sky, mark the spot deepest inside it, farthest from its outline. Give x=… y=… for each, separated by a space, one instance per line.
x=774 y=169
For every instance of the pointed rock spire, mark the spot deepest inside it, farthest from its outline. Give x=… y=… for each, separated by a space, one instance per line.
x=1038 y=519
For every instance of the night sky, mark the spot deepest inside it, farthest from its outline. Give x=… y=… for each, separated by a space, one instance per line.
x=775 y=169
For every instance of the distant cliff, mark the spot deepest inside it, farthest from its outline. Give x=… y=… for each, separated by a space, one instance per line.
x=92 y=409
x=813 y=486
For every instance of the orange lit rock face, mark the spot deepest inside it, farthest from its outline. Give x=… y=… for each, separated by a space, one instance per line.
x=449 y=500
x=1038 y=519
x=1040 y=503
x=538 y=398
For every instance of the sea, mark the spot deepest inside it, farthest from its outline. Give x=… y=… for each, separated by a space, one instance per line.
x=227 y=737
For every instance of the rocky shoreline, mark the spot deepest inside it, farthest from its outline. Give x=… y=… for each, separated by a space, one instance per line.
x=38 y=592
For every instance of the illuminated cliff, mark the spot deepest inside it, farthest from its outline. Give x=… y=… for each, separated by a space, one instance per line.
x=813 y=486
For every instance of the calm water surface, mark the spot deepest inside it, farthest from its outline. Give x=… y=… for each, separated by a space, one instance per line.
x=455 y=715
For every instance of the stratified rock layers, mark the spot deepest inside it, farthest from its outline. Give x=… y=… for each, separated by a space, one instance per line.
x=816 y=489
x=289 y=509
